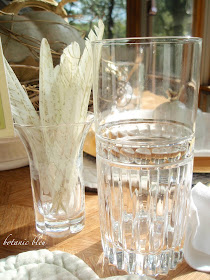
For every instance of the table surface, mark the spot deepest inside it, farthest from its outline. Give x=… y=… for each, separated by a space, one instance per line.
x=17 y=222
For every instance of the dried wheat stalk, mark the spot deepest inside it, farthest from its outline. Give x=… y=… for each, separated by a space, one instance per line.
x=64 y=93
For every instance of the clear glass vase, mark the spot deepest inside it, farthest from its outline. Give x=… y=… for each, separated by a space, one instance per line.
x=56 y=163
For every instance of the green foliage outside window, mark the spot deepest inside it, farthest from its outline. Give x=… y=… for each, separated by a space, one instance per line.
x=112 y=12
x=173 y=18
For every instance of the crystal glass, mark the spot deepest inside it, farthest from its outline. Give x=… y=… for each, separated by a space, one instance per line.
x=145 y=102
x=56 y=162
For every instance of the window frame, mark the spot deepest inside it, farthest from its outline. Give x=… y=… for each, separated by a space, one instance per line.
x=137 y=10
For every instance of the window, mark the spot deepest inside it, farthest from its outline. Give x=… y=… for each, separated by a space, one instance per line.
x=159 y=17
x=172 y=18
x=163 y=18
x=86 y=12
x=135 y=18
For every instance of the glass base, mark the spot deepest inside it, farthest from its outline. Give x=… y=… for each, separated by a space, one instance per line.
x=62 y=228
x=143 y=264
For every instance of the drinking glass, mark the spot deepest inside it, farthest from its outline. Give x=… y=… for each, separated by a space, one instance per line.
x=145 y=102
x=56 y=163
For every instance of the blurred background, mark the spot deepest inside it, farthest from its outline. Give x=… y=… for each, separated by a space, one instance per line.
x=153 y=18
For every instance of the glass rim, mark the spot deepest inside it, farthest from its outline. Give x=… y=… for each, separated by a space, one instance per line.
x=89 y=114
x=148 y=40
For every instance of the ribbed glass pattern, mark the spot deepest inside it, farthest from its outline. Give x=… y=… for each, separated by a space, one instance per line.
x=143 y=196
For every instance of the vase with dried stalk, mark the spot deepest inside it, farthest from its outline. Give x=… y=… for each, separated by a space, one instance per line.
x=54 y=136
x=56 y=175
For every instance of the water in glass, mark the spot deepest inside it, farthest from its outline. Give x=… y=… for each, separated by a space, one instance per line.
x=144 y=180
